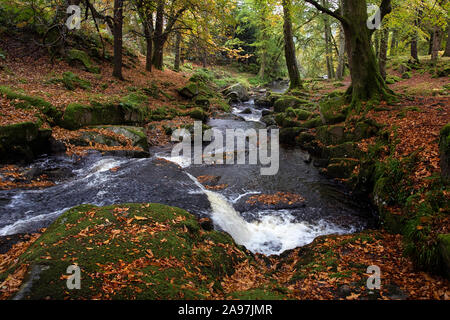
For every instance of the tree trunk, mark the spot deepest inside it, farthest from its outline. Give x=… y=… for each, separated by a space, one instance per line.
x=176 y=64
x=367 y=82
x=436 y=44
x=159 y=40
x=328 y=50
x=149 y=47
x=447 y=46
x=377 y=44
x=414 y=50
x=118 y=21
x=262 y=65
x=394 y=43
x=383 y=51
x=430 y=43
x=289 y=47
x=341 y=59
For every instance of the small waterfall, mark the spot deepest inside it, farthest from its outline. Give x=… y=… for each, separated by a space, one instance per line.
x=272 y=234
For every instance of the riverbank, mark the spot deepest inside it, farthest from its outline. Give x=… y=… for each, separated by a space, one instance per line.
x=332 y=267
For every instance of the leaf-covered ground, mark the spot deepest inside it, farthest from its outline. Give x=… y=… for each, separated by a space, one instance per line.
x=152 y=251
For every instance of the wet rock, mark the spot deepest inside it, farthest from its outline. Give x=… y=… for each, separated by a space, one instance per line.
x=265 y=112
x=236 y=93
x=22 y=142
x=320 y=163
x=57 y=146
x=307 y=158
x=263 y=101
x=269 y=120
x=127 y=153
x=246 y=111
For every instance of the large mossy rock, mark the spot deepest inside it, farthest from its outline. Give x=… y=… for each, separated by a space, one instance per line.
x=113 y=136
x=81 y=58
x=135 y=134
x=128 y=251
x=285 y=102
x=127 y=112
x=289 y=135
x=236 y=93
x=332 y=109
x=444 y=148
x=23 y=141
x=189 y=91
x=341 y=168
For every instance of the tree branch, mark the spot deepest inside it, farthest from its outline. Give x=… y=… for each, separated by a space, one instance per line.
x=334 y=14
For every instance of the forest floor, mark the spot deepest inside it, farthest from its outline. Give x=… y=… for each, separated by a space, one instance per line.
x=332 y=267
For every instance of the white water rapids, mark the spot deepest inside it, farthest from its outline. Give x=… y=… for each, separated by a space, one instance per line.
x=271 y=234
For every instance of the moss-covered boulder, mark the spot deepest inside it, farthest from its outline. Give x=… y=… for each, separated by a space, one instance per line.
x=23 y=141
x=341 y=168
x=332 y=109
x=189 y=91
x=129 y=111
x=286 y=102
x=128 y=251
x=331 y=135
x=289 y=135
x=236 y=93
x=135 y=134
x=344 y=150
x=202 y=101
x=198 y=114
x=444 y=148
x=81 y=58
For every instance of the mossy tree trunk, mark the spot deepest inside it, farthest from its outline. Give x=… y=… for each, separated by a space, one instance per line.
x=176 y=64
x=367 y=82
x=289 y=47
x=447 y=46
x=118 y=22
x=383 y=51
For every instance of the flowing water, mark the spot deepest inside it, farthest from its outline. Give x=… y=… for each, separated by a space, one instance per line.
x=270 y=230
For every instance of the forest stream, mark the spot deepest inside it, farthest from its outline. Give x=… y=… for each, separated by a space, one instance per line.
x=104 y=180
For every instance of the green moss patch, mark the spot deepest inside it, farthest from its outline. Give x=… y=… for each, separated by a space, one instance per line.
x=129 y=251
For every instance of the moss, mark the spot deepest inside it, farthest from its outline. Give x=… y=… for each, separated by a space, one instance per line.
x=78 y=56
x=312 y=123
x=53 y=113
x=189 y=91
x=341 y=168
x=284 y=102
x=332 y=109
x=171 y=262
x=288 y=135
x=71 y=81
x=202 y=101
x=198 y=114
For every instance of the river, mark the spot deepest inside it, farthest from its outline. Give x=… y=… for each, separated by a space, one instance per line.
x=327 y=208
